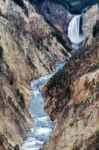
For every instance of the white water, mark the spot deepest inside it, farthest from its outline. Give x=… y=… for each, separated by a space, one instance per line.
x=42 y=125
x=74 y=31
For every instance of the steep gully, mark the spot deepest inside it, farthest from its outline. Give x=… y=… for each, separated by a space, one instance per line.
x=42 y=125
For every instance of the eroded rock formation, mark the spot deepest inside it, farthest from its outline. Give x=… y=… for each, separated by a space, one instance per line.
x=29 y=46
x=72 y=101
x=28 y=49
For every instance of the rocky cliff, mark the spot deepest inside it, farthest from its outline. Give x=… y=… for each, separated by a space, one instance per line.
x=32 y=38
x=28 y=49
x=72 y=101
x=58 y=16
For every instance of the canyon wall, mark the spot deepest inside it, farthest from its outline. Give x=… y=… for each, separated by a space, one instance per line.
x=72 y=101
x=28 y=49
x=59 y=17
x=29 y=46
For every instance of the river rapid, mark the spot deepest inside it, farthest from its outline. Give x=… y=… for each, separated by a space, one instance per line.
x=42 y=124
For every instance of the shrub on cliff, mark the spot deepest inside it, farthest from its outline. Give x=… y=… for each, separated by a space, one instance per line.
x=20 y=98
x=1 y=53
x=16 y=147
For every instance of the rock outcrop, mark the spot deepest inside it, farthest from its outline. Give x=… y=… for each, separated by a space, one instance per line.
x=72 y=101
x=89 y=20
x=59 y=17
x=75 y=6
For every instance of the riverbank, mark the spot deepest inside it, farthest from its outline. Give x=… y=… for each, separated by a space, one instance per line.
x=42 y=124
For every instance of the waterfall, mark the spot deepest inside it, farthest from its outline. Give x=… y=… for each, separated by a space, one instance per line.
x=74 y=30
x=42 y=125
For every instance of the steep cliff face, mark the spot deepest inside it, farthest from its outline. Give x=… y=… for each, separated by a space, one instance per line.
x=59 y=17
x=74 y=6
x=89 y=20
x=27 y=50
x=29 y=46
x=72 y=100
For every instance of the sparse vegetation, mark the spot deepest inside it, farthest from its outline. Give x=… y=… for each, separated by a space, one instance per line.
x=20 y=3
x=74 y=6
x=16 y=147
x=1 y=138
x=60 y=39
x=94 y=142
x=1 y=53
x=20 y=98
x=97 y=85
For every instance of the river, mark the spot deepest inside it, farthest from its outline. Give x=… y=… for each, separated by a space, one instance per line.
x=42 y=124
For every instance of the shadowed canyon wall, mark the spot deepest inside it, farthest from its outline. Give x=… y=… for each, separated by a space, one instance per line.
x=27 y=50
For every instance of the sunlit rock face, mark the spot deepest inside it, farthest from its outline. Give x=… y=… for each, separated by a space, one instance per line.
x=27 y=50
x=89 y=20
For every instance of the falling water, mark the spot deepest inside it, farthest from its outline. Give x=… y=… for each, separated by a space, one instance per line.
x=42 y=125
x=74 y=31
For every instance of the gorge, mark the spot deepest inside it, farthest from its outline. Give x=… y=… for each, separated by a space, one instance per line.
x=51 y=55
x=42 y=125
